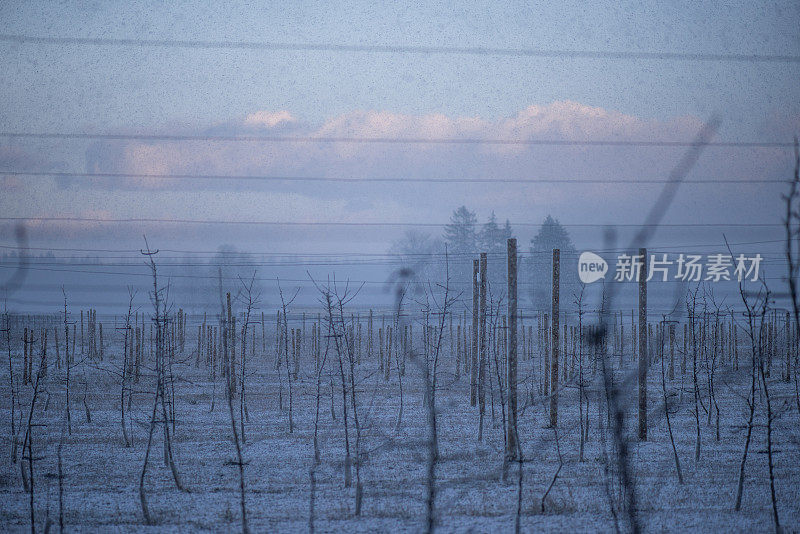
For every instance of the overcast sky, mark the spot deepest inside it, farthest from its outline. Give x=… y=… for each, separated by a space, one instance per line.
x=80 y=88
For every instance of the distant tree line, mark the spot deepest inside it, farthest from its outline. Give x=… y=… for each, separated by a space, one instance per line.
x=464 y=238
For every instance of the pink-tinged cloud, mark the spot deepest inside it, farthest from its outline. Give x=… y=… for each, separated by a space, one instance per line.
x=560 y=121
x=573 y=121
x=269 y=119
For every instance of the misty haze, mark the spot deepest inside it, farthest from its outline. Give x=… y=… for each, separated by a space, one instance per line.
x=344 y=267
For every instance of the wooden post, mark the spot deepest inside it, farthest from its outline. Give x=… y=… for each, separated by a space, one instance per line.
x=410 y=348
x=466 y=346
x=25 y=356
x=452 y=340
x=554 y=347
x=545 y=350
x=389 y=352
x=482 y=341
x=788 y=350
x=278 y=336
x=404 y=340
x=314 y=346
x=294 y=352
x=358 y=338
x=770 y=346
x=621 y=340
x=566 y=353
x=458 y=351
x=511 y=361
x=633 y=337
x=58 y=354
x=369 y=335
x=318 y=352
x=231 y=356
x=212 y=350
x=298 y=344
x=683 y=356
x=473 y=380
x=199 y=344
x=380 y=354
x=643 y=345
x=671 y=351
x=530 y=342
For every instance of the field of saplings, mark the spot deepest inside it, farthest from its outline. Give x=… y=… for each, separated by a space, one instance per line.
x=451 y=413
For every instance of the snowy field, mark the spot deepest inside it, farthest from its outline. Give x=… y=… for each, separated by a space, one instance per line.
x=101 y=475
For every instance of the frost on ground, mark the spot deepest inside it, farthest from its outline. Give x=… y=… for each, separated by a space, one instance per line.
x=101 y=474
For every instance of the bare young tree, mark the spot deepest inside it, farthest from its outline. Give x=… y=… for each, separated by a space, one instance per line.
x=615 y=413
x=335 y=302
x=667 y=398
x=251 y=300
x=125 y=367
x=754 y=311
x=712 y=366
x=159 y=321
x=430 y=375
x=285 y=307
x=67 y=363
x=691 y=309
x=60 y=455
x=320 y=370
x=315 y=463
x=763 y=374
x=583 y=428
x=27 y=443
x=12 y=387
x=482 y=345
x=230 y=394
x=792 y=250
x=428 y=364
x=400 y=293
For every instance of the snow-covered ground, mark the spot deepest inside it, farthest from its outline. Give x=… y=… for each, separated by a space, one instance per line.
x=101 y=474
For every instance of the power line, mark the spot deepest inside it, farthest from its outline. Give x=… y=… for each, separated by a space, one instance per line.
x=360 y=224
x=386 y=140
x=168 y=267
x=278 y=263
x=175 y=261
x=268 y=178
x=137 y=251
x=403 y=49
x=275 y=279
x=235 y=258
